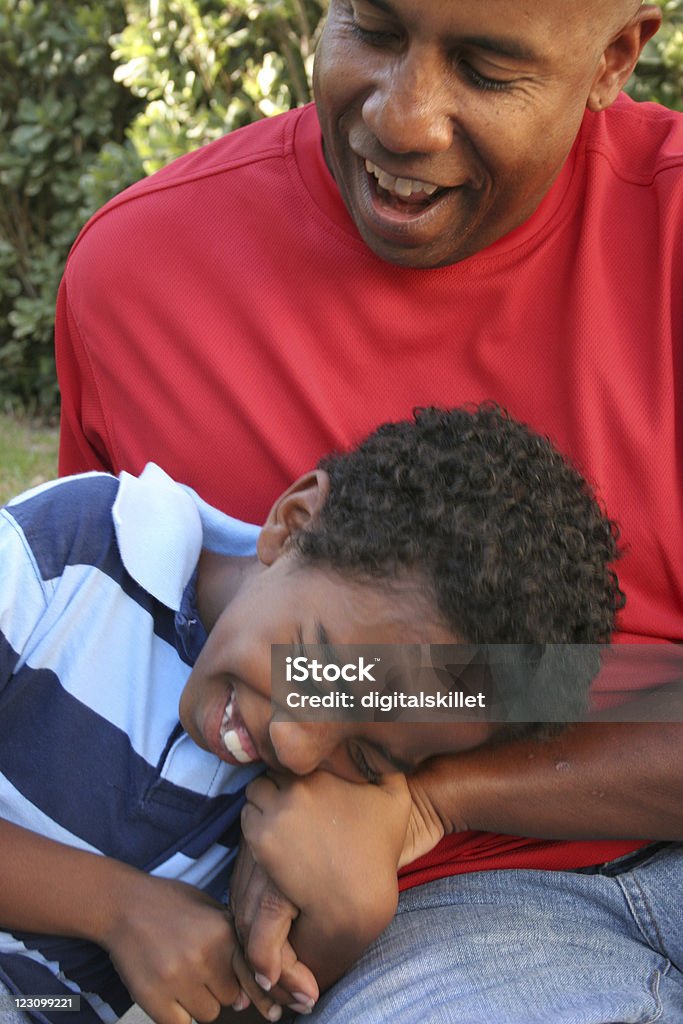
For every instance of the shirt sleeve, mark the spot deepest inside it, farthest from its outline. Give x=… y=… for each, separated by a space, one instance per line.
x=24 y=597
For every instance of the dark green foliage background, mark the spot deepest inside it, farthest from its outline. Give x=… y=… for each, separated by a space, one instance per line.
x=93 y=96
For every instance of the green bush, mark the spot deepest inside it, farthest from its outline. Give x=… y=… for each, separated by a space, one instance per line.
x=660 y=70
x=63 y=151
x=204 y=67
x=94 y=96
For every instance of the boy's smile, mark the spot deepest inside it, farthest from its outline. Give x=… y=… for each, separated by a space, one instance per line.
x=233 y=734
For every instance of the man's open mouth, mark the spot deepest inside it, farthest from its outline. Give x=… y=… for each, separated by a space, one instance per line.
x=234 y=735
x=403 y=193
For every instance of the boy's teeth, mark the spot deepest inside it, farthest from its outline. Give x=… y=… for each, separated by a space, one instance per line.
x=234 y=747
x=404 y=187
x=230 y=737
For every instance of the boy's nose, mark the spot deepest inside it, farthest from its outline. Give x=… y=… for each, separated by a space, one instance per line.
x=303 y=747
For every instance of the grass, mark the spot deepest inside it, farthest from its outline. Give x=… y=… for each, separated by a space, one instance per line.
x=28 y=454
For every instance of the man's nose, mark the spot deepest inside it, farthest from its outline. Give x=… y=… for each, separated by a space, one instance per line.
x=412 y=105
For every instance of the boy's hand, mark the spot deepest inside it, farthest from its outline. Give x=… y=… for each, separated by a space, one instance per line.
x=333 y=847
x=263 y=918
x=174 y=947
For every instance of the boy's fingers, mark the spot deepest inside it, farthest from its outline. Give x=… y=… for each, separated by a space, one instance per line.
x=264 y=920
x=260 y=790
x=197 y=1005
x=259 y=898
x=296 y=978
x=264 y=1003
x=242 y=888
x=204 y=1005
x=270 y=927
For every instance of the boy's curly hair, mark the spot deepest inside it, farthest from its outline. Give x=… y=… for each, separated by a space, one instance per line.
x=507 y=533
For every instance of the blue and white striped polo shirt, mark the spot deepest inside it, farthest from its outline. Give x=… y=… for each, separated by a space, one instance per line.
x=98 y=633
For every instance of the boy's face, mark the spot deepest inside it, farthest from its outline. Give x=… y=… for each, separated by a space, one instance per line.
x=226 y=705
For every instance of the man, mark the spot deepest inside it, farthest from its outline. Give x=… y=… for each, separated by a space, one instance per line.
x=489 y=219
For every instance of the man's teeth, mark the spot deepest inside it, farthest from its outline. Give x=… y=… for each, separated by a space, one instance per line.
x=404 y=187
x=231 y=739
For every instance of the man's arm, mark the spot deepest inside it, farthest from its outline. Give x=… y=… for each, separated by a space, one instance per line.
x=593 y=781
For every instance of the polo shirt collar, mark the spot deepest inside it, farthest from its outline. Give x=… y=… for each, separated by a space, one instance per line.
x=161 y=527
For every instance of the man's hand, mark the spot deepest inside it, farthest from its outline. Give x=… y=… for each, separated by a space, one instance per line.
x=174 y=949
x=333 y=847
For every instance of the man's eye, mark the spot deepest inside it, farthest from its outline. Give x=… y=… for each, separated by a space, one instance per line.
x=373 y=37
x=373 y=31
x=481 y=81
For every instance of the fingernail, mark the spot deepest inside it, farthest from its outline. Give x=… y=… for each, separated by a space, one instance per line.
x=301 y=1008
x=263 y=982
x=241 y=1003
x=303 y=999
x=274 y=1013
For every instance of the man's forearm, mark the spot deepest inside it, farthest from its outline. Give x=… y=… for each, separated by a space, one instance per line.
x=608 y=780
x=328 y=956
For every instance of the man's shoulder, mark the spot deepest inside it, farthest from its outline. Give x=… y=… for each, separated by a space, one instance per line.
x=641 y=141
x=203 y=195
x=251 y=144
x=216 y=164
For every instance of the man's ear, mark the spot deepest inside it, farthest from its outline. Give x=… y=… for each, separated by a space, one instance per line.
x=292 y=511
x=621 y=56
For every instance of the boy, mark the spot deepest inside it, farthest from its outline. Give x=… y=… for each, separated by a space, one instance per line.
x=456 y=526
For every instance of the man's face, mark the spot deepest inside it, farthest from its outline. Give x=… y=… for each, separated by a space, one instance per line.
x=226 y=705
x=446 y=121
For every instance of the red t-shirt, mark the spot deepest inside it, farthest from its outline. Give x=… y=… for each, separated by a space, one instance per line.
x=224 y=319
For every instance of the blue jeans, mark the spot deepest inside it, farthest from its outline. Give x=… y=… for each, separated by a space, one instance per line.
x=527 y=947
